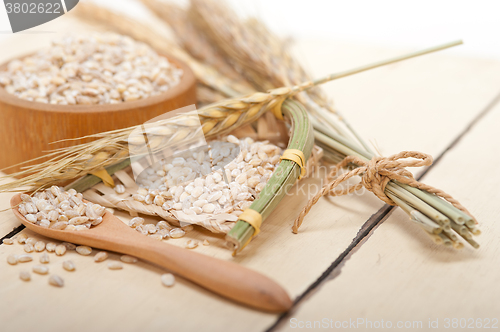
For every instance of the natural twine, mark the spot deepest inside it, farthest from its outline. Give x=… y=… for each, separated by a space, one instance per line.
x=375 y=175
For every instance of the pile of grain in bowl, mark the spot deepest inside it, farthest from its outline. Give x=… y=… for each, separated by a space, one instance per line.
x=218 y=184
x=101 y=68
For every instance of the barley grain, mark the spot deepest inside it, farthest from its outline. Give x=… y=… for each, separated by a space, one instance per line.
x=177 y=233
x=63 y=218
x=209 y=208
x=119 y=188
x=84 y=250
x=28 y=248
x=41 y=269
x=12 y=259
x=191 y=244
x=150 y=228
x=78 y=220
x=68 y=265
x=136 y=221
x=96 y=221
x=187 y=228
x=162 y=224
x=25 y=275
x=39 y=246
x=21 y=238
x=60 y=250
x=164 y=233
x=56 y=281
x=44 y=258
x=128 y=259
x=100 y=256
x=167 y=279
x=7 y=241
x=24 y=258
x=50 y=247
x=44 y=223
x=156 y=236
x=69 y=246
x=115 y=265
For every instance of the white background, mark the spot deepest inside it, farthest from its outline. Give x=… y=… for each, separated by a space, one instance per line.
x=384 y=22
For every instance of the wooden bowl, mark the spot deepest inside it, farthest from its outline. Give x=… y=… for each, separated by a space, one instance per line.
x=27 y=128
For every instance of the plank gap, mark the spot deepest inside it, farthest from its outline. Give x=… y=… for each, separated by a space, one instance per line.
x=14 y=231
x=377 y=218
x=464 y=132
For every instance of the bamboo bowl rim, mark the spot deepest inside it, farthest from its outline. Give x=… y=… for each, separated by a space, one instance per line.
x=187 y=80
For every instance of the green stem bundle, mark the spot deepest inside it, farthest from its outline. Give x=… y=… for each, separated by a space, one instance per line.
x=433 y=214
x=283 y=178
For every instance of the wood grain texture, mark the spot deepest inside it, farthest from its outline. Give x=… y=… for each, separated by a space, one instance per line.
x=227 y=279
x=133 y=299
x=27 y=128
x=400 y=275
x=95 y=298
x=419 y=104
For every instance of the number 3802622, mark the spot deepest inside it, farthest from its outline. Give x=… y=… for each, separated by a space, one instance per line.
x=33 y=8
x=471 y=323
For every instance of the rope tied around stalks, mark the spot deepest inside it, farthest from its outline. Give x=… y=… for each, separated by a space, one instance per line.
x=375 y=175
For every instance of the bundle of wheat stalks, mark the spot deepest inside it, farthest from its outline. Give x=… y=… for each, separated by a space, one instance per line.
x=233 y=58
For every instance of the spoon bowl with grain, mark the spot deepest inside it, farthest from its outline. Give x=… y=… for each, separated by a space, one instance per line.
x=224 y=278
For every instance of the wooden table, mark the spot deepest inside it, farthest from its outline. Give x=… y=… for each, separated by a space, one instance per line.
x=335 y=268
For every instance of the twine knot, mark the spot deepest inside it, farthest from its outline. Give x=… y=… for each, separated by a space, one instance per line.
x=375 y=175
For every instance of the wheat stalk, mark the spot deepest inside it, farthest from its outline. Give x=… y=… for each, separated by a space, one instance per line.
x=264 y=59
x=278 y=51
x=111 y=147
x=191 y=40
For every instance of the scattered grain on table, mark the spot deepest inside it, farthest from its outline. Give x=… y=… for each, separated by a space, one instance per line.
x=84 y=250
x=69 y=265
x=21 y=238
x=114 y=265
x=51 y=247
x=44 y=258
x=56 y=281
x=25 y=275
x=40 y=246
x=41 y=269
x=167 y=279
x=7 y=241
x=12 y=259
x=101 y=256
x=60 y=250
x=128 y=259
x=24 y=258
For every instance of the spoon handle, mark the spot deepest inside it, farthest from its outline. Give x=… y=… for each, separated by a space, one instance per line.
x=225 y=278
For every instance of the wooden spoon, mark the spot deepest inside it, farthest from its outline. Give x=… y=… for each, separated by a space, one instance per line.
x=225 y=278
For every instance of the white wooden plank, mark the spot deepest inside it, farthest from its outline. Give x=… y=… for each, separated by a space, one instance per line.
x=400 y=275
x=295 y=261
x=418 y=104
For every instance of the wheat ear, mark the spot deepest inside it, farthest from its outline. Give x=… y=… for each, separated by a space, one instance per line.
x=195 y=43
x=215 y=119
x=122 y=24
